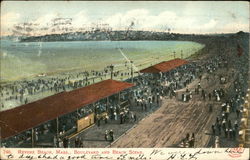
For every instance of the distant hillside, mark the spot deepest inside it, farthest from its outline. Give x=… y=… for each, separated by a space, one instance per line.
x=100 y=36
x=117 y=36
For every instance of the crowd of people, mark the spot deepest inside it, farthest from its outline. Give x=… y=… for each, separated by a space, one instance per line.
x=25 y=91
x=148 y=92
x=188 y=141
x=151 y=89
x=228 y=121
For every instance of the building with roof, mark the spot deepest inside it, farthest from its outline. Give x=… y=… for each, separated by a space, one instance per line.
x=53 y=108
x=165 y=66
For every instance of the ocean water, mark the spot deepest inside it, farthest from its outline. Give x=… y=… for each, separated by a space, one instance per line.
x=22 y=60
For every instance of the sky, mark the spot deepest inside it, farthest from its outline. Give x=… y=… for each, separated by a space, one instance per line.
x=181 y=17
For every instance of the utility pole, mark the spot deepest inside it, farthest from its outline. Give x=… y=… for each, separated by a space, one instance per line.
x=111 y=68
x=132 y=74
x=32 y=138
x=57 y=128
x=0 y=138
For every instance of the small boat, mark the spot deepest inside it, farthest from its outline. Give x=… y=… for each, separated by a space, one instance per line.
x=41 y=75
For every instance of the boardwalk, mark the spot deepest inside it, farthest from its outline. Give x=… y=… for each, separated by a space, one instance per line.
x=170 y=124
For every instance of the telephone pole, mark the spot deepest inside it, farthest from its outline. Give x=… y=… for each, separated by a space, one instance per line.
x=112 y=69
x=132 y=74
